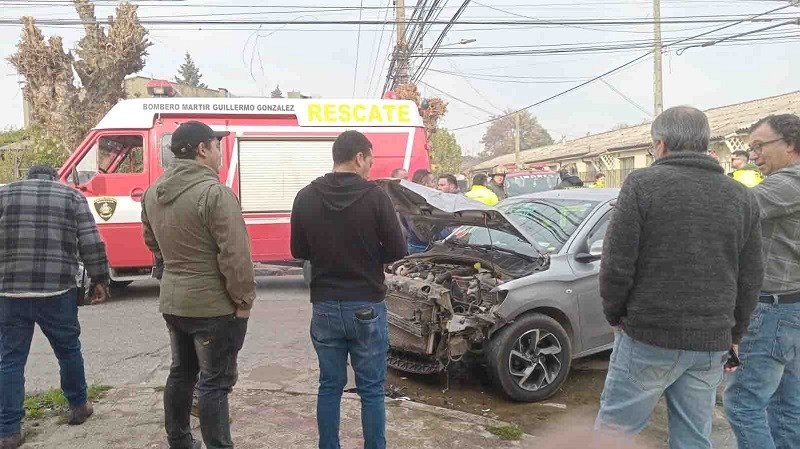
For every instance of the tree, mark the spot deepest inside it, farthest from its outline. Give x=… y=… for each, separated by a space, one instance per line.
x=277 y=93
x=189 y=74
x=445 y=152
x=499 y=137
x=23 y=148
x=61 y=111
x=433 y=108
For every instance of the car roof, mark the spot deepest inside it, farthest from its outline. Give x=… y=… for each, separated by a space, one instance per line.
x=593 y=194
x=530 y=172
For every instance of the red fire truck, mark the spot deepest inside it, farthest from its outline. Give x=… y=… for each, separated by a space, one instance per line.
x=276 y=147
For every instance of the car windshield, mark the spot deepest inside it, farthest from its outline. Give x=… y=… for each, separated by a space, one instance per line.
x=549 y=223
x=532 y=183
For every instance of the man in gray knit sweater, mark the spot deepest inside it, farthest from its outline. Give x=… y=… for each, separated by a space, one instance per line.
x=681 y=272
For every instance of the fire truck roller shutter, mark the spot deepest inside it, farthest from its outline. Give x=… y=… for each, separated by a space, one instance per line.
x=271 y=172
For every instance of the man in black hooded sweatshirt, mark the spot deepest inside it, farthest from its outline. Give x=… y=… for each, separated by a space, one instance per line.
x=347 y=228
x=569 y=179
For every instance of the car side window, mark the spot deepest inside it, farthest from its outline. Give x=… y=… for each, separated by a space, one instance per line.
x=598 y=233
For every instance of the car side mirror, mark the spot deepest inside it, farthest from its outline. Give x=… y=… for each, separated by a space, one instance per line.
x=595 y=253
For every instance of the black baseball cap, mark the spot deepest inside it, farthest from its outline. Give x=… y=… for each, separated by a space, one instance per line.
x=191 y=134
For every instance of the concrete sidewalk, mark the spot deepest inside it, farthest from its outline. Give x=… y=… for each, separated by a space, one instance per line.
x=133 y=417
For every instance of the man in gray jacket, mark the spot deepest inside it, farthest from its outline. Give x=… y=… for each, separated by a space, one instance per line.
x=762 y=400
x=680 y=276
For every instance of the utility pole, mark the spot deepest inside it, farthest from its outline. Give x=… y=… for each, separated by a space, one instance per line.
x=516 y=139
x=658 y=84
x=401 y=50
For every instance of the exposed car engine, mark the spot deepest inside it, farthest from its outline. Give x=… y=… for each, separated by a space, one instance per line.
x=438 y=312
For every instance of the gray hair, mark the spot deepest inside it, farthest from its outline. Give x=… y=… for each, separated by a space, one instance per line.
x=682 y=128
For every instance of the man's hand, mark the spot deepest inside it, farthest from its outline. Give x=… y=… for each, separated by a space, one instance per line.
x=242 y=313
x=730 y=369
x=100 y=294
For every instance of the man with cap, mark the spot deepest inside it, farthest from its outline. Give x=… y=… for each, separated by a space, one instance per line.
x=497 y=183
x=195 y=224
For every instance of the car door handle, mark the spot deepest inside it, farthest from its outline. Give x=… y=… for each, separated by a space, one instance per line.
x=137 y=194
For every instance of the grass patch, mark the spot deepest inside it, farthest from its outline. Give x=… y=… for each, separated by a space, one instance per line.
x=53 y=402
x=506 y=433
x=98 y=391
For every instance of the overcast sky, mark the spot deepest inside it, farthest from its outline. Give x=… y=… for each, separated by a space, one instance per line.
x=321 y=59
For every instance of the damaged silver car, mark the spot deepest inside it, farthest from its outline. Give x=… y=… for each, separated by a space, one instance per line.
x=513 y=286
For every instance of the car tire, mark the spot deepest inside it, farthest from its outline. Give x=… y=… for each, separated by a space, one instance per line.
x=119 y=285
x=510 y=355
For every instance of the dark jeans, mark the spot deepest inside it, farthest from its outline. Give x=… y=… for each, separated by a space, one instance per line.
x=208 y=346
x=57 y=317
x=336 y=332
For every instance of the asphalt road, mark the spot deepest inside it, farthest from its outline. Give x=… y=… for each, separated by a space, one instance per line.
x=125 y=340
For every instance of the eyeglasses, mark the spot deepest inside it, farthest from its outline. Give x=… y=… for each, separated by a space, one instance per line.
x=758 y=147
x=651 y=150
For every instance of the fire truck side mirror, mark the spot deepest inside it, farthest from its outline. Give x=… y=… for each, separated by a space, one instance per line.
x=74 y=176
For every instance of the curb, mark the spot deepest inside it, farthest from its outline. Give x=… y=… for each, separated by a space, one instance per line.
x=447 y=413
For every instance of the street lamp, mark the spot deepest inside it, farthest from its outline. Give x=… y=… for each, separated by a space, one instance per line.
x=461 y=42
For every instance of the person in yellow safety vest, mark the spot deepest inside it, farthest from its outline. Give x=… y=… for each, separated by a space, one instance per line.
x=479 y=191
x=745 y=171
x=599 y=181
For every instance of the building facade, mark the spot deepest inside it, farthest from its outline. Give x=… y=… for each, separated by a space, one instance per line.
x=619 y=152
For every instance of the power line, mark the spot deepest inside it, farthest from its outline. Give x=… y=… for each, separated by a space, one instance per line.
x=469 y=83
x=423 y=67
x=358 y=51
x=453 y=97
x=724 y=39
x=532 y=23
x=614 y=70
x=628 y=99
x=377 y=50
x=529 y=17
x=522 y=80
x=386 y=59
x=181 y=4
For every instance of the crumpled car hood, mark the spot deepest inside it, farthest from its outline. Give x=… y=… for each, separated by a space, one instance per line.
x=428 y=211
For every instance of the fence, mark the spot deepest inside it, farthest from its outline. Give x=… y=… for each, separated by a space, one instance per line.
x=615 y=178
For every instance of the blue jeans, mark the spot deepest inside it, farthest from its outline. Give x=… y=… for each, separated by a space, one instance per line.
x=762 y=398
x=57 y=317
x=639 y=374
x=337 y=332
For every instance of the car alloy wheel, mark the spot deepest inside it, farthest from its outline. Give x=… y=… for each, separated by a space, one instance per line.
x=534 y=362
x=529 y=359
